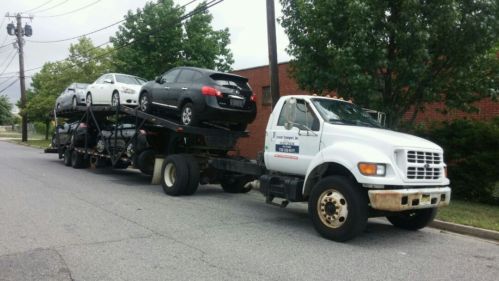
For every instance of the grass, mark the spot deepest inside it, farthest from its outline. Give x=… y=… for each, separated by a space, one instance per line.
x=35 y=143
x=33 y=140
x=474 y=214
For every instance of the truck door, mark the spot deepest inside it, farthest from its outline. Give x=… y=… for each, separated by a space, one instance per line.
x=292 y=144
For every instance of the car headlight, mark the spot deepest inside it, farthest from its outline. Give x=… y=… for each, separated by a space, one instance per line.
x=372 y=169
x=128 y=91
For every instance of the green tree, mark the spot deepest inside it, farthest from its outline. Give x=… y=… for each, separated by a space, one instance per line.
x=155 y=39
x=5 y=110
x=84 y=64
x=395 y=55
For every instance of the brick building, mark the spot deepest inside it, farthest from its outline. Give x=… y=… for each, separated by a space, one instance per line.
x=259 y=79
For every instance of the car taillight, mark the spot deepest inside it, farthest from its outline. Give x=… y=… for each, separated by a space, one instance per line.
x=210 y=91
x=253 y=98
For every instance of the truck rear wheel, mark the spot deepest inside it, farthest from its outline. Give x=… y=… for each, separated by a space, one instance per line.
x=176 y=176
x=78 y=160
x=414 y=219
x=67 y=157
x=338 y=208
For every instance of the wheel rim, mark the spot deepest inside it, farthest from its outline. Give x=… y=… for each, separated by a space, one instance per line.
x=115 y=100
x=144 y=103
x=170 y=174
x=186 y=115
x=89 y=99
x=332 y=208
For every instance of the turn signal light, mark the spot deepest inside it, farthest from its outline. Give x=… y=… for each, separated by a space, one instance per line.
x=210 y=91
x=372 y=169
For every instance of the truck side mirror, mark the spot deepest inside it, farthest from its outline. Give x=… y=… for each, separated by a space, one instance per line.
x=290 y=107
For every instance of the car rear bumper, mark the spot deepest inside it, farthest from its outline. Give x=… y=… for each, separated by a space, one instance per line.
x=212 y=111
x=395 y=200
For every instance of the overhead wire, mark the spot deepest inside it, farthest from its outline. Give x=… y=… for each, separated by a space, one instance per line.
x=53 y=7
x=70 y=12
x=197 y=10
x=8 y=86
x=37 y=7
x=8 y=64
x=97 y=30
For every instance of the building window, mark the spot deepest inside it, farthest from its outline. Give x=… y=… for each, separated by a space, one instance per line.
x=267 y=96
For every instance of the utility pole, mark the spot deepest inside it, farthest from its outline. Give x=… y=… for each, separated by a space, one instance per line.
x=274 y=70
x=19 y=32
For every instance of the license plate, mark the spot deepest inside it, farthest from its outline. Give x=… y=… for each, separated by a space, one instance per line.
x=236 y=103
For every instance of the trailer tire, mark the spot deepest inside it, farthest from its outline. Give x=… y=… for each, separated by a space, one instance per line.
x=338 y=208
x=67 y=157
x=175 y=175
x=414 y=219
x=78 y=160
x=145 y=161
x=193 y=167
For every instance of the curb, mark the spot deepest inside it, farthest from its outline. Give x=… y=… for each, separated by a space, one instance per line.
x=467 y=230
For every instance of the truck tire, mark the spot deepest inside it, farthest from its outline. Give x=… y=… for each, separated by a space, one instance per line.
x=414 y=219
x=67 y=157
x=235 y=184
x=145 y=161
x=175 y=175
x=78 y=160
x=338 y=208
x=193 y=167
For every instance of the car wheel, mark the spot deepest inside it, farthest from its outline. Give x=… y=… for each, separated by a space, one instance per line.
x=188 y=116
x=413 y=220
x=74 y=103
x=88 y=99
x=338 y=208
x=78 y=160
x=144 y=103
x=115 y=99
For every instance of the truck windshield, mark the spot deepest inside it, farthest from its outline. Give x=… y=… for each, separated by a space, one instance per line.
x=340 y=112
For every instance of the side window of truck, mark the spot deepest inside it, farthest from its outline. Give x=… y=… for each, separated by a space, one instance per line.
x=303 y=115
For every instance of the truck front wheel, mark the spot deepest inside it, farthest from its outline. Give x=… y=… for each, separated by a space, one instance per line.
x=414 y=219
x=338 y=208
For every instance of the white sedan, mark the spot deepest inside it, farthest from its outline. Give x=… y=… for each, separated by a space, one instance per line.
x=115 y=89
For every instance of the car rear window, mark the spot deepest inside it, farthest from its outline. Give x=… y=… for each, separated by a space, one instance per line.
x=230 y=81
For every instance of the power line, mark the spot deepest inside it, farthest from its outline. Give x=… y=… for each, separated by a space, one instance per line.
x=52 y=7
x=3 y=46
x=37 y=7
x=97 y=30
x=72 y=11
x=8 y=64
x=8 y=86
x=208 y=5
x=7 y=58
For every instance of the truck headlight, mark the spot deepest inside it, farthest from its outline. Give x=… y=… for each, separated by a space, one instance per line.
x=372 y=169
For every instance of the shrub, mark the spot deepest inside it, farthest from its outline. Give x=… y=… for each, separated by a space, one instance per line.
x=471 y=153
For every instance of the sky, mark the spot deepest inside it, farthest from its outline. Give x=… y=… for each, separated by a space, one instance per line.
x=246 y=20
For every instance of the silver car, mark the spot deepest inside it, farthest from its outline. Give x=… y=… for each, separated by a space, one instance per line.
x=72 y=96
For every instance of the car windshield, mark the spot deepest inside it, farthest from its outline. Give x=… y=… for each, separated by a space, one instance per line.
x=130 y=80
x=340 y=112
x=81 y=86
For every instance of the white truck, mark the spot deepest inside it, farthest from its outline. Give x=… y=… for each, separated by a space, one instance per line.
x=324 y=151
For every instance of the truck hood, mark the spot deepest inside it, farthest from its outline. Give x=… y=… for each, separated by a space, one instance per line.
x=376 y=136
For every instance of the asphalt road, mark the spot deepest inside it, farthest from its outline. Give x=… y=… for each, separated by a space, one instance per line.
x=58 y=223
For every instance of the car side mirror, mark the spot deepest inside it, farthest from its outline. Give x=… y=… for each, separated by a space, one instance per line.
x=159 y=79
x=290 y=107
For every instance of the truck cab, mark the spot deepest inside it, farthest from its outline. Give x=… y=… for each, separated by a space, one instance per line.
x=331 y=153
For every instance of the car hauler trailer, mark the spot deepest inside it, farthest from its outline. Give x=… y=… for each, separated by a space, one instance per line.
x=323 y=151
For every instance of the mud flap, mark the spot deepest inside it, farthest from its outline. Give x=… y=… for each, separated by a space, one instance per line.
x=156 y=176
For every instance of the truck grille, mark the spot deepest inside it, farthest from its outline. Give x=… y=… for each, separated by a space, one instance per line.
x=423 y=157
x=423 y=165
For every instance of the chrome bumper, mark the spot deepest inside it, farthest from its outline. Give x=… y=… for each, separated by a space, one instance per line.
x=408 y=199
